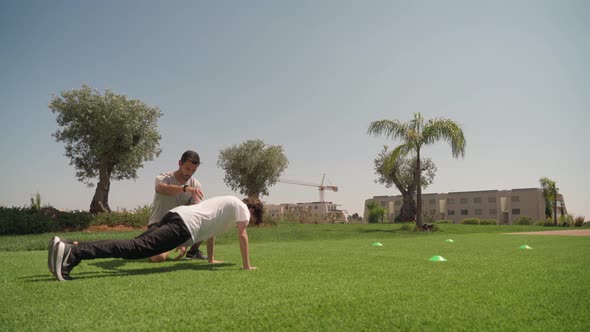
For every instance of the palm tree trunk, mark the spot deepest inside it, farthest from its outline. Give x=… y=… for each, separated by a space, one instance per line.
x=417 y=179
x=555 y=208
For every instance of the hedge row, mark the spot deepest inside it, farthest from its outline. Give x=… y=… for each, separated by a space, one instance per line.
x=17 y=220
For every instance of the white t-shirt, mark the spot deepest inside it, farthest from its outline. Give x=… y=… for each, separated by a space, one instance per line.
x=164 y=203
x=213 y=216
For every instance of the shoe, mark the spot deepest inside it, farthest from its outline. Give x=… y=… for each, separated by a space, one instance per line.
x=64 y=261
x=196 y=254
x=51 y=253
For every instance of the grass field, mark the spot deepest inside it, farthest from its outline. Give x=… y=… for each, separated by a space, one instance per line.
x=313 y=277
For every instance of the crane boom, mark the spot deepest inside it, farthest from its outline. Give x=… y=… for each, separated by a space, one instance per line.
x=320 y=187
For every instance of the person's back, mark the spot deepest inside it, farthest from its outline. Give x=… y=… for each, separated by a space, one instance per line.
x=213 y=216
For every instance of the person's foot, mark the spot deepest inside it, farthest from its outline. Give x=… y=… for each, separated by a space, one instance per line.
x=51 y=247
x=196 y=254
x=64 y=261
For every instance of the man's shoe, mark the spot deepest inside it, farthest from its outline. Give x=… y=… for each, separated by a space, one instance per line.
x=64 y=261
x=51 y=253
x=196 y=254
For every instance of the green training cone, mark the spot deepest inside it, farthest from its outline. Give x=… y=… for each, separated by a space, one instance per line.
x=437 y=259
x=377 y=244
x=524 y=246
x=450 y=241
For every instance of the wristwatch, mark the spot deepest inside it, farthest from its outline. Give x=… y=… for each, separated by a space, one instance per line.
x=184 y=187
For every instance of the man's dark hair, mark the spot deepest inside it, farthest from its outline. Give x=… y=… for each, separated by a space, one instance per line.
x=191 y=156
x=254 y=203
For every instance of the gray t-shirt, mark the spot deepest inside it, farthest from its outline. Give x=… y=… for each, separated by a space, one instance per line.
x=164 y=203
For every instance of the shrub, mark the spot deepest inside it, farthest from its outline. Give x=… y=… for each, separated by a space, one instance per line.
x=565 y=221
x=407 y=226
x=488 y=222
x=131 y=219
x=579 y=221
x=523 y=221
x=18 y=220
x=470 y=221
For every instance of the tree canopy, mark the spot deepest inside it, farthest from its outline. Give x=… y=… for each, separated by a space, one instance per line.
x=106 y=137
x=252 y=167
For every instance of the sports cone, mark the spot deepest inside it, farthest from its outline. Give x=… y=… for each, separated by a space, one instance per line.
x=437 y=259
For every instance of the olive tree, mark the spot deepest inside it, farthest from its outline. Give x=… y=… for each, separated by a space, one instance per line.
x=252 y=167
x=394 y=169
x=107 y=137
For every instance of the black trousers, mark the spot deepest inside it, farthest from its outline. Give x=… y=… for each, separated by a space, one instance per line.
x=165 y=236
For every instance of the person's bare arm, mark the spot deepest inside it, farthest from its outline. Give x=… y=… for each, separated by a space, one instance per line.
x=244 y=246
x=211 y=251
x=173 y=190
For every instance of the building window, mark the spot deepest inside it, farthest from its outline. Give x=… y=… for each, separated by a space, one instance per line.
x=514 y=199
x=493 y=212
x=451 y=201
x=451 y=212
x=464 y=212
x=463 y=200
x=515 y=211
x=384 y=204
x=432 y=212
x=432 y=201
x=478 y=212
x=316 y=207
x=491 y=199
x=398 y=203
x=477 y=200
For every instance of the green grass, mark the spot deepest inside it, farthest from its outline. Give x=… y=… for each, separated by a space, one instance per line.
x=313 y=277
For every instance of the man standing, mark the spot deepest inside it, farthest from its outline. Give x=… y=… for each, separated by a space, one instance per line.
x=181 y=226
x=176 y=188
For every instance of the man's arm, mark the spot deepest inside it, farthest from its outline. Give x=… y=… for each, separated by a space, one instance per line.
x=173 y=190
x=244 y=247
x=211 y=251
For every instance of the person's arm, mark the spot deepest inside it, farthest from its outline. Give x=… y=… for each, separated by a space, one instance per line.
x=211 y=251
x=244 y=246
x=173 y=190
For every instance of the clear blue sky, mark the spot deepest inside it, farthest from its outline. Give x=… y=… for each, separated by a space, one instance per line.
x=310 y=76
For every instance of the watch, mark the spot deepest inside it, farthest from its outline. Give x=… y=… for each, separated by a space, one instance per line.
x=184 y=187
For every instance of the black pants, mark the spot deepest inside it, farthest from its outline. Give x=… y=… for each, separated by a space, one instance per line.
x=165 y=236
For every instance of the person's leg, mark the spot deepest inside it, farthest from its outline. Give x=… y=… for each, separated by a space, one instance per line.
x=170 y=234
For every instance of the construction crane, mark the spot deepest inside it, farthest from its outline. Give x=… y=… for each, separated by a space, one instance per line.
x=320 y=187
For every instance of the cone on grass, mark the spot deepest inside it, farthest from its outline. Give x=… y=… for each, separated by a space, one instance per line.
x=524 y=246
x=437 y=259
x=450 y=241
x=377 y=244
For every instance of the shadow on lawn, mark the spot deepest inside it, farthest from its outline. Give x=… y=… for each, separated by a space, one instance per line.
x=112 y=270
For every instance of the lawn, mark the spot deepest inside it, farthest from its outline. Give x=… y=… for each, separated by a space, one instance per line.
x=313 y=277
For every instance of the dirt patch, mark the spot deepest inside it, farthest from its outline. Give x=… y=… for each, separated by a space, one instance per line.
x=572 y=232
x=106 y=228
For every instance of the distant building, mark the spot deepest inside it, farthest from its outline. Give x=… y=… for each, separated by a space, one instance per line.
x=503 y=206
x=327 y=210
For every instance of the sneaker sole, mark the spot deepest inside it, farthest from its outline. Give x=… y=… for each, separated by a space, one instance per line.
x=58 y=260
x=50 y=253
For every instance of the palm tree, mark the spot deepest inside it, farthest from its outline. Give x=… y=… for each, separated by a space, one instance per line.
x=550 y=193
x=416 y=134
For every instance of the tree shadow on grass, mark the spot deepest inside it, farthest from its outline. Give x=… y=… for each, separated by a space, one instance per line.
x=112 y=270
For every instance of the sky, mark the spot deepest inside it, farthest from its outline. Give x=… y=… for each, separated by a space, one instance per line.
x=309 y=76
